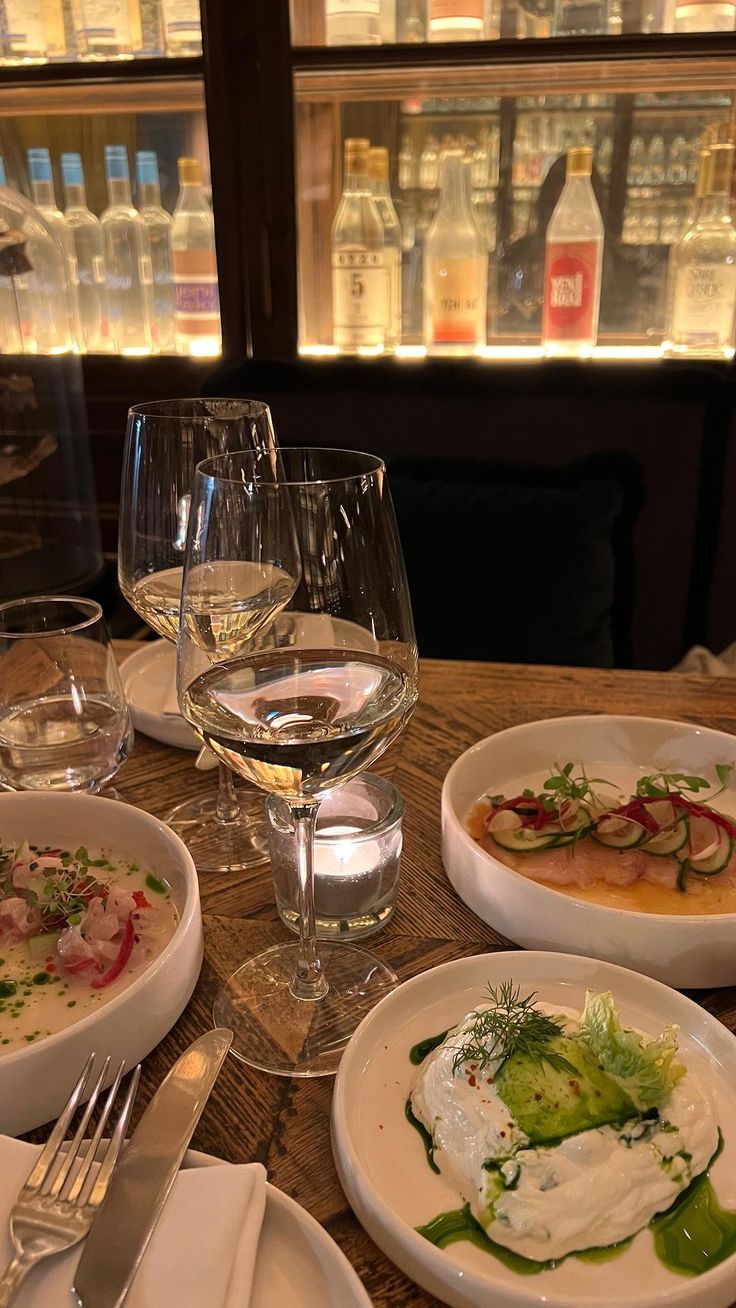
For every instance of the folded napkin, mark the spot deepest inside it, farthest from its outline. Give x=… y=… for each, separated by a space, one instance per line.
x=202 y=1252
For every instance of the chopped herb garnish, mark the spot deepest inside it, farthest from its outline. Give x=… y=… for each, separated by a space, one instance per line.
x=511 y=1025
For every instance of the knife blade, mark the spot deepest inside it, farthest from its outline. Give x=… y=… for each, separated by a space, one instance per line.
x=145 y=1174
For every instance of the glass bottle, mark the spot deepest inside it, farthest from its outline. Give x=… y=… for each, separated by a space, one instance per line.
x=411 y=21
x=33 y=31
x=44 y=198
x=87 y=236
x=127 y=255
x=656 y=161
x=581 y=18
x=159 y=224
x=455 y=268
x=107 y=29
x=11 y=341
x=381 y=191
x=456 y=20
x=353 y=22
x=194 y=266
x=388 y=22
x=429 y=165
x=359 y=273
x=182 y=27
x=407 y=165
x=573 y=261
x=701 y=288
x=705 y=16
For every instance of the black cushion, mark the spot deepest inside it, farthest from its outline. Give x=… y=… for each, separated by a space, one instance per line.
x=512 y=565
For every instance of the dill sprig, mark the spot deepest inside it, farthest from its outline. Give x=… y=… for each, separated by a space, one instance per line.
x=511 y=1025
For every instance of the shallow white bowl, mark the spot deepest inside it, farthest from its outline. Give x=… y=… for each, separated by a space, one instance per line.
x=693 y=950
x=383 y=1169
x=35 y=1082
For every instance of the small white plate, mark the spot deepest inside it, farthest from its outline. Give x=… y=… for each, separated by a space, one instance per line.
x=149 y=682
x=382 y=1165
x=298 y=1262
x=688 y=950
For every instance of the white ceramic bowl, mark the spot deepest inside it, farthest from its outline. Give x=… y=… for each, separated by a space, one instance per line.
x=692 y=950
x=35 y=1082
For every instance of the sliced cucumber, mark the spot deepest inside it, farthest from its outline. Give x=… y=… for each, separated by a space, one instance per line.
x=669 y=841
x=524 y=840
x=715 y=861
x=619 y=833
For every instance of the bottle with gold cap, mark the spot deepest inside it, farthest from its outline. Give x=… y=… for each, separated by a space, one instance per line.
x=701 y=287
x=573 y=261
x=381 y=191
x=455 y=267
x=359 y=270
x=194 y=267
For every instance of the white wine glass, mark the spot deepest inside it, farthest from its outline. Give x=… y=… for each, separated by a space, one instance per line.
x=165 y=440
x=64 y=723
x=315 y=685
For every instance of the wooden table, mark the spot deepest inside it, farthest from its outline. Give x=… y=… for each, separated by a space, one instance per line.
x=285 y=1123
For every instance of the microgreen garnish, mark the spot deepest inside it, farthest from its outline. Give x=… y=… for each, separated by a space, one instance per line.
x=511 y=1025
x=661 y=784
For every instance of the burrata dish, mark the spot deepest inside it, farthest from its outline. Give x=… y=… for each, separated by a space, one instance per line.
x=562 y=1131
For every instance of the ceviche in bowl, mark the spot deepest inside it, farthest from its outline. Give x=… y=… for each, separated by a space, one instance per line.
x=614 y=836
x=100 y=942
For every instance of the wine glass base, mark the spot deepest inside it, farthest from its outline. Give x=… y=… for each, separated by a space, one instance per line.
x=222 y=846
x=278 y=1033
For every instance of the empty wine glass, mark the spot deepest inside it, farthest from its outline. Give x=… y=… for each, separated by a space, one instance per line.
x=165 y=441
x=299 y=686
x=64 y=723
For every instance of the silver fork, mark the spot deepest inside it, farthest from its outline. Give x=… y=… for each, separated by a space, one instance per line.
x=58 y=1203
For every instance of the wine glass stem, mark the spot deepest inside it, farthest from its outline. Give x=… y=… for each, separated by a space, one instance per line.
x=228 y=809
x=309 y=981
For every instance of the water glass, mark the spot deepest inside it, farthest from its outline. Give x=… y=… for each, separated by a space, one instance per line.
x=64 y=722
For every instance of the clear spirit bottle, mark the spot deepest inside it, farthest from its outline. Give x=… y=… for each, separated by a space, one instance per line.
x=353 y=22
x=388 y=22
x=381 y=191
x=456 y=20
x=87 y=236
x=573 y=261
x=194 y=265
x=705 y=16
x=159 y=224
x=127 y=255
x=42 y=194
x=701 y=285
x=107 y=29
x=11 y=341
x=455 y=268
x=33 y=31
x=359 y=274
x=182 y=27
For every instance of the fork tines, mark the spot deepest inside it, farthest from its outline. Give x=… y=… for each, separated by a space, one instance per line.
x=54 y=1173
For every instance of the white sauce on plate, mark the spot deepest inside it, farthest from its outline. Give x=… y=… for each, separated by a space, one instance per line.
x=595 y=1188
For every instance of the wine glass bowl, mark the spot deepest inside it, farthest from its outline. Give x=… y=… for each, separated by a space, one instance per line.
x=64 y=722
x=165 y=441
x=308 y=694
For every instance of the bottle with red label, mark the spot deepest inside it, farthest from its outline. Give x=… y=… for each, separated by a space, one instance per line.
x=573 y=260
x=455 y=267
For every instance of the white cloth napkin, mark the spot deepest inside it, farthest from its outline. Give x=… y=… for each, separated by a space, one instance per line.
x=202 y=1252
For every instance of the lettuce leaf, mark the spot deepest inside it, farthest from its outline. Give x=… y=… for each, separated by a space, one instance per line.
x=646 y=1069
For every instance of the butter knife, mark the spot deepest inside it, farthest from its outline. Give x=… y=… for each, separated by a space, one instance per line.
x=145 y=1174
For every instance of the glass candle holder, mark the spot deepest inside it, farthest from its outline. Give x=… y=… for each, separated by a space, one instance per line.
x=357 y=856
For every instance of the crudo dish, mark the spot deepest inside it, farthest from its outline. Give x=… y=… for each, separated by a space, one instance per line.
x=551 y=829
x=100 y=942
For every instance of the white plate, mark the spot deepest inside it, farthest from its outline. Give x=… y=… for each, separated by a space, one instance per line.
x=687 y=951
x=382 y=1165
x=149 y=682
x=35 y=1080
x=298 y=1262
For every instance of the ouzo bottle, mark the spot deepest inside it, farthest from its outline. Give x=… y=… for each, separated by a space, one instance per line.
x=127 y=253
x=87 y=235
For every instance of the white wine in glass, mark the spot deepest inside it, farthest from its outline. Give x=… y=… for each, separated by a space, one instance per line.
x=164 y=442
x=324 y=680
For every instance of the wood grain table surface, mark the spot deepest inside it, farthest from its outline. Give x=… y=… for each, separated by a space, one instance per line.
x=285 y=1123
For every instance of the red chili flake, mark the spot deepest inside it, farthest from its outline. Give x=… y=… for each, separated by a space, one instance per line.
x=538 y=1097
x=140 y=899
x=472 y=1081
x=50 y=967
